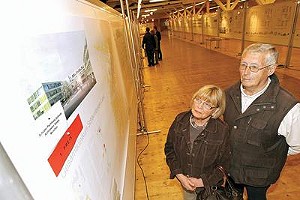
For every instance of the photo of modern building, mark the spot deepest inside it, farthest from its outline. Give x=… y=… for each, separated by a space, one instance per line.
x=69 y=92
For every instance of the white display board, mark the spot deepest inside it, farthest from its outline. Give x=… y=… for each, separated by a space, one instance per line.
x=69 y=101
x=180 y=24
x=231 y=24
x=270 y=23
x=197 y=24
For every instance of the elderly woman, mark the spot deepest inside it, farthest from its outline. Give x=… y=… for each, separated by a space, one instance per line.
x=198 y=142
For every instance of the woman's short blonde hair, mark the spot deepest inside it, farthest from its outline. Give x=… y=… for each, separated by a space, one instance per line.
x=213 y=95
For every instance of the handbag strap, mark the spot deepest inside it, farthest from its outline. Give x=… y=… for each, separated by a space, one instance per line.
x=234 y=191
x=225 y=177
x=222 y=170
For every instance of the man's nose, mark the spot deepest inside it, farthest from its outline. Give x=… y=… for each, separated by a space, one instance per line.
x=247 y=70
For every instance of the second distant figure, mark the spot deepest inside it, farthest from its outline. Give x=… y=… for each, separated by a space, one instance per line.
x=157 y=33
x=155 y=47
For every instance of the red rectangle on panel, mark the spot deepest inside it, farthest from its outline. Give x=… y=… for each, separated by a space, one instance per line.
x=65 y=146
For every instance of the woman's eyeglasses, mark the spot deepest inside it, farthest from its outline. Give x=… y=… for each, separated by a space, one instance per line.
x=204 y=104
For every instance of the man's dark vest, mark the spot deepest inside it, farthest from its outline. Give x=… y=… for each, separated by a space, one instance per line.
x=258 y=152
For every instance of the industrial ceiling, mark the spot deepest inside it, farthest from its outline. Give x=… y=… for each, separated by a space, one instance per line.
x=163 y=8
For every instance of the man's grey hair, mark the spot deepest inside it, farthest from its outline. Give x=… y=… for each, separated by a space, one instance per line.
x=270 y=52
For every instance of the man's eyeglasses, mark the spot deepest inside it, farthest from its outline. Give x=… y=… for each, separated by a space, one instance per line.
x=204 y=104
x=252 y=68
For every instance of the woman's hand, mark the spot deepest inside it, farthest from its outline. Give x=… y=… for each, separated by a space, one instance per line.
x=186 y=182
x=197 y=182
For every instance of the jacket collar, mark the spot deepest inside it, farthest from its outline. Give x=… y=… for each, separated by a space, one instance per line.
x=266 y=101
x=211 y=126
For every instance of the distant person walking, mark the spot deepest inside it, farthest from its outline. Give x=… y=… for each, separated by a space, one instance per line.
x=149 y=45
x=155 y=47
x=157 y=33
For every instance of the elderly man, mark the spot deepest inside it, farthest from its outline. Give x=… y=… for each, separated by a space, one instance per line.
x=264 y=121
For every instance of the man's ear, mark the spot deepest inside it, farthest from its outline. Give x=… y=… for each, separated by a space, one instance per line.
x=272 y=69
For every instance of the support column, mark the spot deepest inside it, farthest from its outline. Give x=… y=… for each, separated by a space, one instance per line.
x=292 y=34
x=244 y=28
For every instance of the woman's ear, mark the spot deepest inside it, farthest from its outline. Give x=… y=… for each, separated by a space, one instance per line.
x=214 y=114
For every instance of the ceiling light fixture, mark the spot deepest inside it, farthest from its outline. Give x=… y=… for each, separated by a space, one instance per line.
x=151 y=10
x=139 y=8
x=197 y=4
x=214 y=7
x=154 y=1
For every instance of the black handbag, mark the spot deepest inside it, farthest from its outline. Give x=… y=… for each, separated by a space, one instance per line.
x=224 y=192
